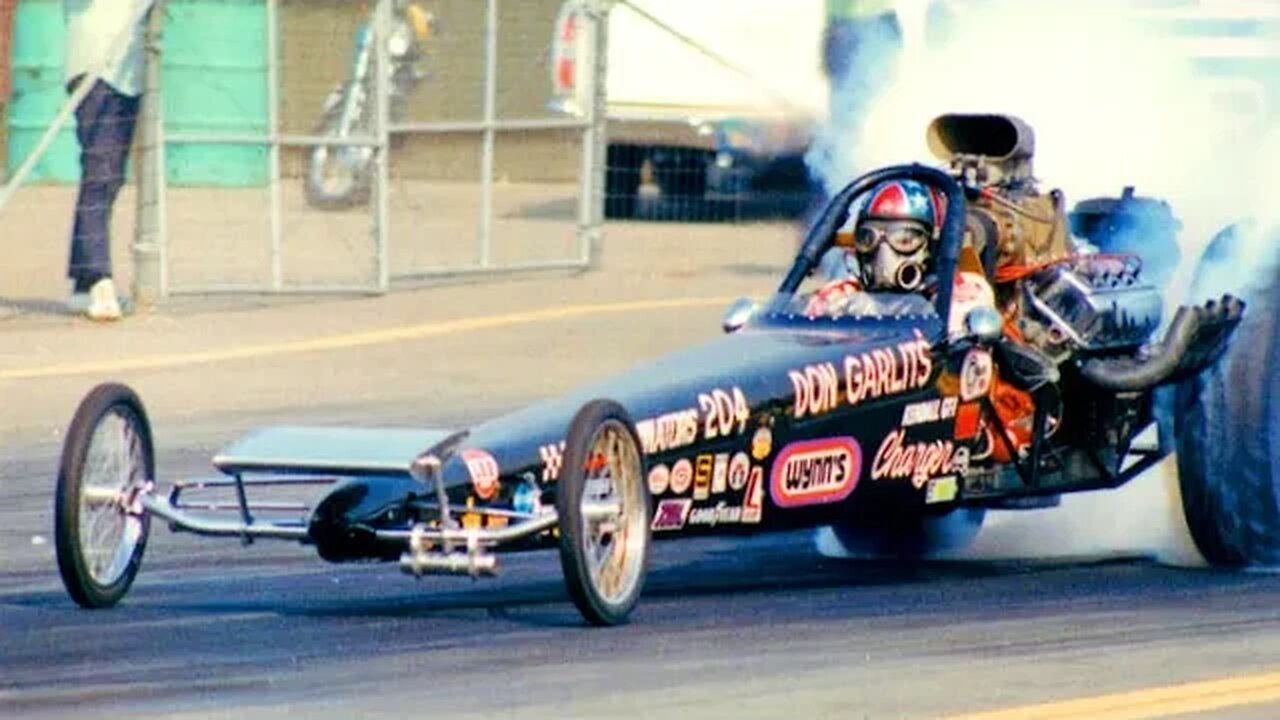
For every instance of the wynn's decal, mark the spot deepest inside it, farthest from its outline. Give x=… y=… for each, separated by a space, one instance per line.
x=882 y=372
x=671 y=431
x=920 y=461
x=976 y=373
x=814 y=472
x=484 y=472
x=671 y=514
x=929 y=411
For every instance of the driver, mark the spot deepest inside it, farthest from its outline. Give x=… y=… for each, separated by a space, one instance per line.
x=891 y=269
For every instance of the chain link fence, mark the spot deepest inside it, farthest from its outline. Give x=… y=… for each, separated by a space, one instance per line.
x=325 y=145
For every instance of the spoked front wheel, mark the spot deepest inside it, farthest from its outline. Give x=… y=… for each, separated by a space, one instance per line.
x=100 y=527
x=603 y=504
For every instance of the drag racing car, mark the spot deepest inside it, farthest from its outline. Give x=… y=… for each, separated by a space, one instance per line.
x=877 y=423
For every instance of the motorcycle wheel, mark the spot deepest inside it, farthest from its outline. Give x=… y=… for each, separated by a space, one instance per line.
x=1227 y=419
x=603 y=504
x=332 y=183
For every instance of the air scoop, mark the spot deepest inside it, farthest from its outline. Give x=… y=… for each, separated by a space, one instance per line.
x=1002 y=142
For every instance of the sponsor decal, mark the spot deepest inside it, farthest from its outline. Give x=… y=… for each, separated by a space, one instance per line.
x=724 y=412
x=484 y=472
x=703 y=466
x=753 y=500
x=762 y=443
x=719 y=514
x=897 y=459
x=659 y=479
x=814 y=472
x=882 y=372
x=671 y=431
x=941 y=489
x=720 y=475
x=739 y=469
x=681 y=477
x=720 y=414
x=975 y=375
x=929 y=411
x=671 y=514
x=552 y=456
x=968 y=419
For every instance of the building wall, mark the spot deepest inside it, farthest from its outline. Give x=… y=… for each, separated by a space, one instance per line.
x=7 y=8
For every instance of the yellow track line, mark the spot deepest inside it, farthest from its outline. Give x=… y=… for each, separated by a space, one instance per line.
x=1155 y=702
x=352 y=340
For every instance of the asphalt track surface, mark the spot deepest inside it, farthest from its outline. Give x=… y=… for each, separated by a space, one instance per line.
x=758 y=628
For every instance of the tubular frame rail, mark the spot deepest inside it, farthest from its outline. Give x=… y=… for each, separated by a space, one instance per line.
x=442 y=546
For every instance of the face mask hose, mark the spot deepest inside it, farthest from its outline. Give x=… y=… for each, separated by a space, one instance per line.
x=910 y=276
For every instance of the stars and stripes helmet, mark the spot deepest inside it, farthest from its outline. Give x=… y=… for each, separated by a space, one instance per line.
x=905 y=200
x=894 y=235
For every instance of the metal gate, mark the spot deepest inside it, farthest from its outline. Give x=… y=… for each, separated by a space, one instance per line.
x=393 y=145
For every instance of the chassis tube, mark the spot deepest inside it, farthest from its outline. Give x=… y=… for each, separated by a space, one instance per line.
x=222 y=528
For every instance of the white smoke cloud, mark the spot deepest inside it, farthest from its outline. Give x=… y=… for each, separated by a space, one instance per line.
x=1112 y=104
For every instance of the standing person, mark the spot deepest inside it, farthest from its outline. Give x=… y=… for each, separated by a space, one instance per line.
x=105 y=36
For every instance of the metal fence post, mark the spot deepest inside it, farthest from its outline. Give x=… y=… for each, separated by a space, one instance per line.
x=487 y=150
x=591 y=189
x=382 y=132
x=148 y=236
x=273 y=149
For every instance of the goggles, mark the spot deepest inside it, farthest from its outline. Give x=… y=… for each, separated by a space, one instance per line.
x=904 y=237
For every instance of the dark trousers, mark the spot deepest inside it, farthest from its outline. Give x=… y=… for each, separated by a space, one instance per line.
x=104 y=126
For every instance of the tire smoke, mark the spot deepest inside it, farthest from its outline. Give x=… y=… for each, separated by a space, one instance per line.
x=1113 y=103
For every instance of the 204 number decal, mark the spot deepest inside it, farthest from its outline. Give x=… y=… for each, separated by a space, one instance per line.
x=724 y=413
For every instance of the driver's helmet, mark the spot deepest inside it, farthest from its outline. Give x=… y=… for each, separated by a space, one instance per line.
x=894 y=234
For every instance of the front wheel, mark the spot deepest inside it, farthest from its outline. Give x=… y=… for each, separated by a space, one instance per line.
x=338 y=176
x=100 y=527
x=603 y=504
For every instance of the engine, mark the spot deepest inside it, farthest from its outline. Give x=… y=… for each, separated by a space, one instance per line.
x=1061 y=299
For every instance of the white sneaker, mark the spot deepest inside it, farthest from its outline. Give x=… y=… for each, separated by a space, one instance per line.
x=104 y=305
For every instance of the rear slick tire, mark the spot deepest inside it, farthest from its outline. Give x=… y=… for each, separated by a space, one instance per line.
x=604 y=509
x=1227 y=426
x=100 y=529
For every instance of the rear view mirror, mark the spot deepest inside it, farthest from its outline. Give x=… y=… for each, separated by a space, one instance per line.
x=738 y=314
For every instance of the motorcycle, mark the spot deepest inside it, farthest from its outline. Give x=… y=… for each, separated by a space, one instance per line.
x=339 y=176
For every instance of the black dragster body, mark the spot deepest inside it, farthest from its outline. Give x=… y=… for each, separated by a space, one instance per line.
x=787 y=420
